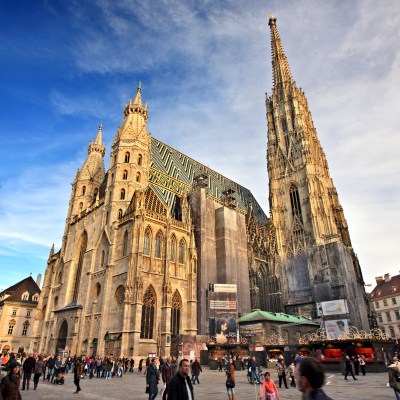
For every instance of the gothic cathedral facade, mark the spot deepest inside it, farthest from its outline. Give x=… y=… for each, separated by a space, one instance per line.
x=144 y=239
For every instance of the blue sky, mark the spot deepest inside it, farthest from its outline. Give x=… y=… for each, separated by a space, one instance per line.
x=205 y=66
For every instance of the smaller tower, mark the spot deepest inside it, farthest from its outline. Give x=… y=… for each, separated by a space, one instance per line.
x=89 y=178
x=129 y=159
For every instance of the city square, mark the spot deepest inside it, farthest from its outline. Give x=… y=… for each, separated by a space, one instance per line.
x=172 y=193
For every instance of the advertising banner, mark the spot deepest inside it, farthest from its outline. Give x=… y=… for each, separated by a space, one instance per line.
x=337 y=327
x=251 y=330
x=335 y=307
x=222 y=311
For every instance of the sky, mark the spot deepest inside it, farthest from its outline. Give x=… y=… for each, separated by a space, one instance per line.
x=67 y=66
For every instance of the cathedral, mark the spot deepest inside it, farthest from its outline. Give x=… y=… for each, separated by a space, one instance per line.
x=145 y=239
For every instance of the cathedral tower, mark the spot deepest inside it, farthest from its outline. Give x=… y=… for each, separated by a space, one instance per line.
x=129 y=159
x=317 y=261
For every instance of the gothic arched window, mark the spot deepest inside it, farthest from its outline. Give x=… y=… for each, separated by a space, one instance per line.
x=127 y=156
x=83 y=190
x=126 y=244
x=176 y=313
x=102 y=259
x=147 y=242
x=173 y=248
x=119 y=213
x=122 y=194
x=295 y=202
x=81 y=252
x=158 y=245
x=149 y=305
x=138 y=177
x=182 y=251
x=125 y=175
x=139 y=160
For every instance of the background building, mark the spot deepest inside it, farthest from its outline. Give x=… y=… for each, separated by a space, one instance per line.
x=385 y=298
x=17 y=315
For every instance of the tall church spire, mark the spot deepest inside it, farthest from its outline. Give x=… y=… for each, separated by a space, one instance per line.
x=280 y=65
x=311 y=233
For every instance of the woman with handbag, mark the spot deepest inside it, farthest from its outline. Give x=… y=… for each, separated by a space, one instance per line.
x=230 y=381
x=268 y=390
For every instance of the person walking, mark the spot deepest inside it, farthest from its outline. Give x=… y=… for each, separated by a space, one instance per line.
x=166 y=376
x=140 y=366
x=394 y=377
x=174 y=367
x=253 y=369
x=356 y=363
x=9 y=385
x=291 y=370
x=152 y=379
x=281 y=368
x=78 y=370
x=268 y=390
x=28 y=367
x=196 y=367
x=230 y=381
x=180 y=386
x=50 y=367
x=310 y=378
x=362 y=362
x=38 y=371
x=349 y=369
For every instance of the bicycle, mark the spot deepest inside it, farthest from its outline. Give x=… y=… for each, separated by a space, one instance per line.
x=251 y=379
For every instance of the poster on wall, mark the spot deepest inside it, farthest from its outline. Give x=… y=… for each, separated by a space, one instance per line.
x=337 y=327
x=250 y=330
x=222 y=311
x=335 y=307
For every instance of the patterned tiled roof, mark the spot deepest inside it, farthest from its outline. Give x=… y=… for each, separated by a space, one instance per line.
x=183 y=169
x=16 y=291
x=384 y=289
x=260 y=315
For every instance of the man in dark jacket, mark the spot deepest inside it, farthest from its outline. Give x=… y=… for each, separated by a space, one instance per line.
x=196 y=368
x=78 y=370
x=310 y=378
x=349 y=368
x=180 y=386
x=28 y=367
x=9 y=385
x=152 y=379
x=51 y=361
x=166 y=376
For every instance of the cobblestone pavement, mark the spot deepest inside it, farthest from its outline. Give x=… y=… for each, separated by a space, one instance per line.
x=212 y=386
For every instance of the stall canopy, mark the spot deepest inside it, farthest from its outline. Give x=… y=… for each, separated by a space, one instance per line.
x=259 y=315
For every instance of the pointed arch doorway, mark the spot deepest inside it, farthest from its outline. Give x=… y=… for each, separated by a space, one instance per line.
x=62 y=337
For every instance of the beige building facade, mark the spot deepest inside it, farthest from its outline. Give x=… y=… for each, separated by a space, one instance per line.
x=17 y=315
x=385 y=298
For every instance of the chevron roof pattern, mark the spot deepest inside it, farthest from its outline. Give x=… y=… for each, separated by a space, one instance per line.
x=182 y=168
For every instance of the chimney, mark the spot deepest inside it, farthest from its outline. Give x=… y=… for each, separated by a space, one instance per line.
x=379 y=279
x=387 y=277
x=38 y=279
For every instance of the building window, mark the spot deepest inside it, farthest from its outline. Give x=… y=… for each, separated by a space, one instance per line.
x=182 y=251
x=146 y=244
x=397 y=312
x=388 y=317
x=80 y=256
x=25 y=328
x=35 y=298
x=394 y=301
x=139 y=160
x=10 y=329
x=125 y=175
x=127 y=156
x=122 y=194
x=28 y=313
x=138 y=177
x=80 y=206
x=25 y=297
x=126 y=244
x=173 y=247
x=392 y=333
x=59 y=278
x=385 y=303
x=55 y=302
x=119 y=213
x=157 y=245
x=295 y=203
x=83 y=190
x=380 y=318
x=14 y=312
x=149 y=302
x=176 y=313
x=377 y=304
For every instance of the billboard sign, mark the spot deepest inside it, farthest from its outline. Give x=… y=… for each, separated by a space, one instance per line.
x=249 y=330
x=335 y=307
x=222 y=311
x=337 y=327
